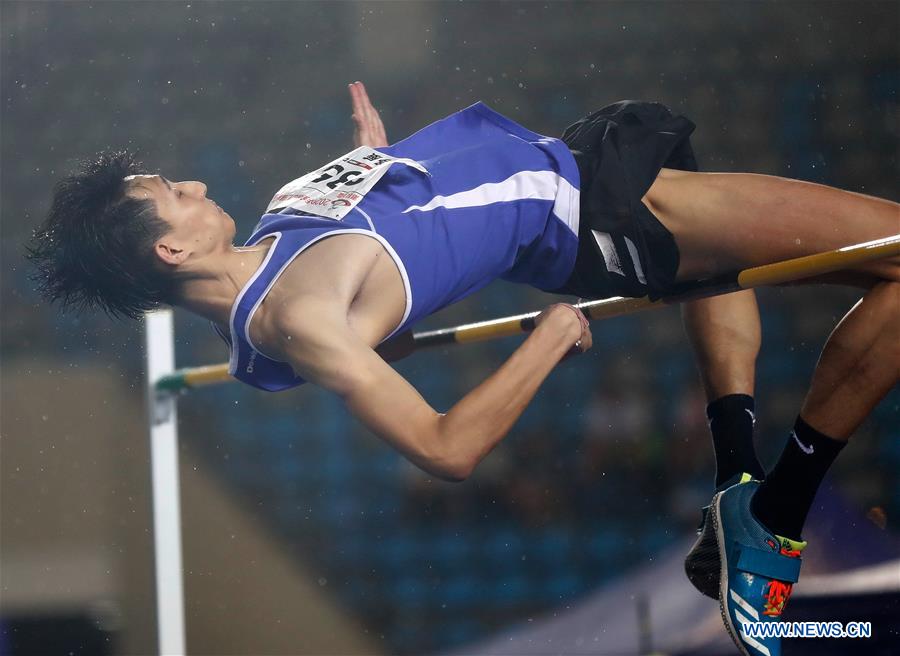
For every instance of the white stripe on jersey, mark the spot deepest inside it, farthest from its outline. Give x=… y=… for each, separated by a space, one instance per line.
x=636 y=261
x=542 y=185
x=608 y=250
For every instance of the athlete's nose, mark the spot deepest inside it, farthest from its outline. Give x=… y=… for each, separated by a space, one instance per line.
x=198 y=187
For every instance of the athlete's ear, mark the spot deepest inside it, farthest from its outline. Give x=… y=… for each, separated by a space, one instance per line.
x=169 y=254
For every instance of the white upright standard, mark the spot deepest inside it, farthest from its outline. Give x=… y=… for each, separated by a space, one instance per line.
x=166 y=496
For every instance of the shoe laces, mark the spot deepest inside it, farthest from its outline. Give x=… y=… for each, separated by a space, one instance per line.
x=778 y=592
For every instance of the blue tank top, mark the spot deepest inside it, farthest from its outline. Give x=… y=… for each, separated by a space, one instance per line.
x=498 y=201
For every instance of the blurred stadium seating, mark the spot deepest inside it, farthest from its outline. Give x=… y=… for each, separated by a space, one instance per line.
x=611 y=463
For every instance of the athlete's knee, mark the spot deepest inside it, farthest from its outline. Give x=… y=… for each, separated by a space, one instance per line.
x=865 y=277
x=891 y=290
x=886 y=348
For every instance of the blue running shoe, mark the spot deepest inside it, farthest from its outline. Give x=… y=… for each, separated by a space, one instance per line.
x=702 y=561
x=758 y=569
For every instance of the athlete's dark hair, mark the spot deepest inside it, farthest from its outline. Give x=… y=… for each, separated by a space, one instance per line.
x=95 y=248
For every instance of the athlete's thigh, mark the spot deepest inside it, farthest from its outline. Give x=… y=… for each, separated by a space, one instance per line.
x=727 y=221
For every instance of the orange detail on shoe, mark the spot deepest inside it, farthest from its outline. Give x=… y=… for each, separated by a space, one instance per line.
x=778 y=592
x=777 y=595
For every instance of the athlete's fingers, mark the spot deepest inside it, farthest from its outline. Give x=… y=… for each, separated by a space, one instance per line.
x=371 y=121
x=371 y=113
x=354 y=104
x=362 y=132
x=379 y=127
x=360 y=102
x=586 y=341
x=379 y=135
x=368 y=127
x=354 y=100
x=361 y=106
x=582 y=345
x=364 y=101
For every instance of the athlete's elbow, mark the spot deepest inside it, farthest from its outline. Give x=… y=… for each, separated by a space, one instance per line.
x=456 y=473
x=448 y=463
x=449 y=467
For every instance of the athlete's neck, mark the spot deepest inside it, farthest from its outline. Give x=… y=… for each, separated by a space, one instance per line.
x=215 y=283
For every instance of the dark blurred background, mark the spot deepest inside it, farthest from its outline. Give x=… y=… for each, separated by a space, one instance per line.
x=303 y=533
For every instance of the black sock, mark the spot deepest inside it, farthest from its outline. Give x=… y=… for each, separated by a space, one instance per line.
x=731 y=424
x=785 y=497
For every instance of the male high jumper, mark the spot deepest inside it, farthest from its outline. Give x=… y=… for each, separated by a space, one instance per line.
x=359 y=250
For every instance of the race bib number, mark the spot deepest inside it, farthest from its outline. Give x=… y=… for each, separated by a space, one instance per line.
x=336 y=188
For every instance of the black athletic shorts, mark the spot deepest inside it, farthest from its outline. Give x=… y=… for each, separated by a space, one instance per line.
x=623 y=250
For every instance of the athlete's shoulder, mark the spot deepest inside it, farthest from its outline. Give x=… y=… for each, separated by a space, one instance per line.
x=290 y=312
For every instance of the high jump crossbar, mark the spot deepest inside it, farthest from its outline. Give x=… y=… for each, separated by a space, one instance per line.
x=768 y=274
x=164 y=383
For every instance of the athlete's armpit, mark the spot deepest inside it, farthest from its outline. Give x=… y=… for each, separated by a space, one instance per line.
x=316 y=339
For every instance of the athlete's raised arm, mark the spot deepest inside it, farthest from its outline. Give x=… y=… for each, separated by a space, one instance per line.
x=327 y=352
x=368 y=130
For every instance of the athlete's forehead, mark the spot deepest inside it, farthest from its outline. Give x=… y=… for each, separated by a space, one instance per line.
x=152 y=183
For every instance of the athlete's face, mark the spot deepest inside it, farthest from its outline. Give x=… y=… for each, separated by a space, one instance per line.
x=198 y=226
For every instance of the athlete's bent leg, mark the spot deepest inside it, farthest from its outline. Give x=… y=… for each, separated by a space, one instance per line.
x=725 y=334
x=726 y=222
x=858 y=366
x=764 y=521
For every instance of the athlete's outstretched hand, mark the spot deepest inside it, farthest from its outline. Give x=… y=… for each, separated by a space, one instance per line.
x=568 y=317
x=368 y=130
